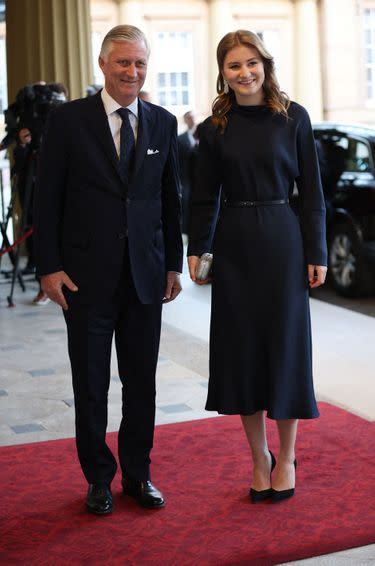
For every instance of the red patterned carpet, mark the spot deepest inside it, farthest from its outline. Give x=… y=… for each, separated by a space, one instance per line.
x=203 y=469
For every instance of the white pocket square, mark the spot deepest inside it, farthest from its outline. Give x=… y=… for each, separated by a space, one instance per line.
x=152 y=151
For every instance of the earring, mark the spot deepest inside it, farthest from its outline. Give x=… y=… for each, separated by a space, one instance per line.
x=226 y=87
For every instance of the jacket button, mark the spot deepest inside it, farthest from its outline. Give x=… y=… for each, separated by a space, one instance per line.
x=122 y=235
x=128 y=201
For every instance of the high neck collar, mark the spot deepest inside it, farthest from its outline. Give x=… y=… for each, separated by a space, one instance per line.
x=251 y=109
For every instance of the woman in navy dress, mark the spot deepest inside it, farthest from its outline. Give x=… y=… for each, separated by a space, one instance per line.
x=254 y=148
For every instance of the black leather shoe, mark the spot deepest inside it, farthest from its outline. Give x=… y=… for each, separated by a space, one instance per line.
x=99 y=499
x=257 y=496
x=144 y=492
x=284 y=493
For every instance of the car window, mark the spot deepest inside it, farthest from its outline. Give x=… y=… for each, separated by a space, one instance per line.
x=358 y=156
x=333 y=147
x=332 y=151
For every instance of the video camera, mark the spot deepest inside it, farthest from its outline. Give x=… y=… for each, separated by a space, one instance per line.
x=30 y=110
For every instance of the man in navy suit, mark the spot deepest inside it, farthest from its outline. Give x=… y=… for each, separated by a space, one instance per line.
x=109 y=251
x=187 y=145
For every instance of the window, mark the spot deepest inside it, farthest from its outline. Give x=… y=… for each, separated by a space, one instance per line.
x=174 y=73
x=341 y=156
x=332 y=151
x=3 y=76
x=96 y=42
x=358 y=156
x=369 y=53
x=272 y=41
x=3 y=61
x=173 y=89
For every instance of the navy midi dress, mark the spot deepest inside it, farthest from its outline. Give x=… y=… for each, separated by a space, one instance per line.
x=260 y=338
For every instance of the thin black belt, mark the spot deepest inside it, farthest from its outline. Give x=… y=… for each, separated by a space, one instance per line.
x=244 y=203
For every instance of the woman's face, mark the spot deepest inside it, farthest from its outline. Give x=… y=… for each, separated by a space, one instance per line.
x=243 y=69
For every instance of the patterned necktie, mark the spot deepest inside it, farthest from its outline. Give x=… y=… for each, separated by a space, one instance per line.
x=127 y=145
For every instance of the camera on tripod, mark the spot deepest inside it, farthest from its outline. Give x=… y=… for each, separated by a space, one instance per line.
x=25 y=122
x=30 y=110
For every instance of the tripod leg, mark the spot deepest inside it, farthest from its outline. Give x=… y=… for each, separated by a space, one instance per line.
x=6 y=244
x=5 y=222
x=24 y=220
x=14 y=275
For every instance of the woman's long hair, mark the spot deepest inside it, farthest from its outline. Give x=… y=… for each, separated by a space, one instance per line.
x=275 y=99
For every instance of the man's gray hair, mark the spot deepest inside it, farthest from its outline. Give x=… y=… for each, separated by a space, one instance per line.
x=122 y=33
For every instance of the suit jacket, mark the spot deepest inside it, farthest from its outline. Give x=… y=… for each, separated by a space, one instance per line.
x=185 y=151
x=85 y=215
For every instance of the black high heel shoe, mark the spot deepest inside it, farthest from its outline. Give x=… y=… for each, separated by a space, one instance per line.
x=257 y=496
x=277 y=496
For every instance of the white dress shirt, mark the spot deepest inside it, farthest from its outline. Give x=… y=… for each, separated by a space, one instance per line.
x=114 y=119
x=191 y=137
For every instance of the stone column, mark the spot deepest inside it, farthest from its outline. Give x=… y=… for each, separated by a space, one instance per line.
x=220 y=23
x=48 y=40
x=130 y=12
x=308 y=87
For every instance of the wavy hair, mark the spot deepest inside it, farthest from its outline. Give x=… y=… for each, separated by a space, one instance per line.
x=275 y=99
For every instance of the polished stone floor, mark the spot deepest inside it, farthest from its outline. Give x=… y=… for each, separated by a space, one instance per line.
x=36 y=399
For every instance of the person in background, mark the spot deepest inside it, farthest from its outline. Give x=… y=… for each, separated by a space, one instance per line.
x=25 y=163
x=60 y=93
x=109 y=252
x=24 y=167
x=145 y=96
x=186 y=146
x=93 y=89
x=252 y=149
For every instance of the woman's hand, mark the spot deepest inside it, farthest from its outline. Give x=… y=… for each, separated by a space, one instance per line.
x=317 y=275
x=193 y=261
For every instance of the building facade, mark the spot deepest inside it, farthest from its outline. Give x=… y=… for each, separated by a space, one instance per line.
x=324 y=50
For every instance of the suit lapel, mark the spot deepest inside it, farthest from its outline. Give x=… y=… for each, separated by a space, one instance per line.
x=97 y=123
x=143 y=135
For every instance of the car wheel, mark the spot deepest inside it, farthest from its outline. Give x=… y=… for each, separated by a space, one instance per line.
x=347 y=269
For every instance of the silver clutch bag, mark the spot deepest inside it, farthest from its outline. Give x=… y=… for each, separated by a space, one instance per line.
x=204 y=266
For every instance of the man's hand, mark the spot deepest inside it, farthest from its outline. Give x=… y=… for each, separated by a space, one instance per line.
x=52 y=285
x=173 y=287
x=24 y=136
x=317 y=275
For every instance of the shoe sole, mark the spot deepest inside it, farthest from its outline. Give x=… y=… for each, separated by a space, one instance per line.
x=151 y=506
x=93 y=512
x=142 y=504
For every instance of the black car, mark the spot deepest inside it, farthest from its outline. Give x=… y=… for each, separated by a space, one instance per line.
x=346 y=156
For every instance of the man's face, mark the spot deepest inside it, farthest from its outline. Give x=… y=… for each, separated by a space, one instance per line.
x=125 y=70
x=190 y=120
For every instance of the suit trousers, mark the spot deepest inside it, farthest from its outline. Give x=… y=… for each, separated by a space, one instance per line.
x=136 y=328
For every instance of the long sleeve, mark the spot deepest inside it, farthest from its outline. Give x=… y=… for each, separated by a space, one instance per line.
x=205 y=195
x=312 y=206
x=49 y=196
x=171 y=202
